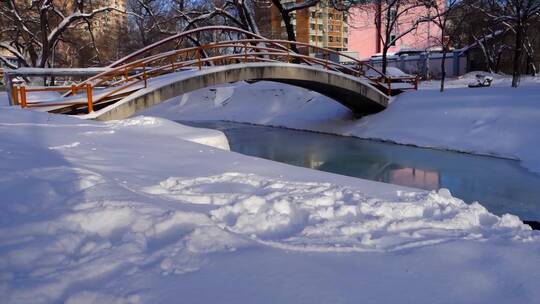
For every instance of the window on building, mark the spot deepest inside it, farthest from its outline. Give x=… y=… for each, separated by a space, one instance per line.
x=392 y=40
x=312 y=38
x=312 y=14
x=331 y=28
x=320 y=27
x=330 y=38
x=312 y=26
x=345 y=40
x=320 y=39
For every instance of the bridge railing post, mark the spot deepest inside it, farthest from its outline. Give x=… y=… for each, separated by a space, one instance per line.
x=198 y=56
x=23 y=97
x=245 y=52
x=126 y=76
x=145 y=77
x=172 y=64
x=325 y=55
x=89 y=98
x=15 y=95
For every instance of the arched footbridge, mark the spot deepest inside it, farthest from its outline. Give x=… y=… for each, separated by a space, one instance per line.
x=182 y=63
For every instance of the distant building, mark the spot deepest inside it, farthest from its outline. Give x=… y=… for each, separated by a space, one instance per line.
x=110 y=24
x=319 y=25
x=364 y=35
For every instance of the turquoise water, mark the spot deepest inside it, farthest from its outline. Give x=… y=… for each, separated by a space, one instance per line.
x=501 y=185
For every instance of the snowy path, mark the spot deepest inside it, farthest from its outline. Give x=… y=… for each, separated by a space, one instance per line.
x=130 y=212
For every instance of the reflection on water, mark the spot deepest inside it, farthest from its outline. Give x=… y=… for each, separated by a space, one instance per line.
x=503 y=186
x=413 y=177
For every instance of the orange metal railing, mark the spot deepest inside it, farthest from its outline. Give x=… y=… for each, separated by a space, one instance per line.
x=23 y=91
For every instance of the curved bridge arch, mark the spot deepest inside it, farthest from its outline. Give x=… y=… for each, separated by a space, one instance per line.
x=354 y=93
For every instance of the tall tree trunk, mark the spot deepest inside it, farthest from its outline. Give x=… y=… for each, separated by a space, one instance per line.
x=518 y=50
x=288 y=24
x=443 y=61
x=378 y=25
x=443 y=69
x=498 y=62
x=384 y=59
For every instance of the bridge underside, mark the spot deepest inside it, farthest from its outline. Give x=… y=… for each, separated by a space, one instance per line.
x=354 y=93
x=354 y=100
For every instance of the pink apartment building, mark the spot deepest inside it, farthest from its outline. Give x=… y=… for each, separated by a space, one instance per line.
x=364 y=38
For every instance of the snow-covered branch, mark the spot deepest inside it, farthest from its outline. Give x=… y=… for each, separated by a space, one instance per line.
x=13 y=51
x=69 y=20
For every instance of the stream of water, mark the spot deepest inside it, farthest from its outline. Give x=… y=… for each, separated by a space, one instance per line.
x=501 y=185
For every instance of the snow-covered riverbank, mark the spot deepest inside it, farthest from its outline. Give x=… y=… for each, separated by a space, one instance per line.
x=499 y=121
x=130 y=212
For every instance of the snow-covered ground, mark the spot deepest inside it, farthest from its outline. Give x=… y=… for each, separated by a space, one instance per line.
x=145 y=210
x=499 y=120
x=130 y=212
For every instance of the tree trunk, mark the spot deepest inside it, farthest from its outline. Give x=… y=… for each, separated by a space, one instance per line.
x=518 y=49
x=248 y=15
x=498 y=62
x=378 y=25
x=288 y=24
x=444 y=49
x=443 y=69
x=384 y=59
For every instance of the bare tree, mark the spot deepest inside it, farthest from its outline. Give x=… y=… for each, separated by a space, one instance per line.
x=32 y=30
x=151 y=20
x=517 y=16
x=443 y=12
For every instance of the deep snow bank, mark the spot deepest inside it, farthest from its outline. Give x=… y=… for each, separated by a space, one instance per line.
x=122 y=212
x=498 y=121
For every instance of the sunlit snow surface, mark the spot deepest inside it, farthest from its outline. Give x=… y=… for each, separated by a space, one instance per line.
x=131 y=212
